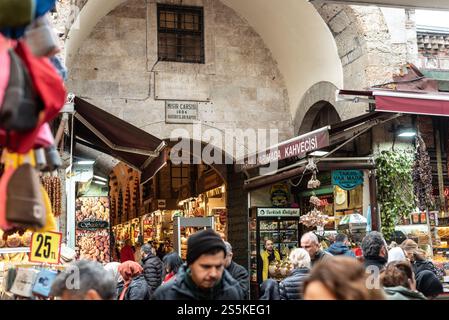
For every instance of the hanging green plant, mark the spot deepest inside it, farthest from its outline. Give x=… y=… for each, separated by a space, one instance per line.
x=395 y=188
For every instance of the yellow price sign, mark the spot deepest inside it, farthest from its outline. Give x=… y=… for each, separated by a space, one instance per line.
x=45 y=247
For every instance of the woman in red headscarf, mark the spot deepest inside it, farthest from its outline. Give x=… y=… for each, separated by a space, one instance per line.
x=133 y=286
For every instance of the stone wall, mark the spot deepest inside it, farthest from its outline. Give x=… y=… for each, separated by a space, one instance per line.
x=117 y=70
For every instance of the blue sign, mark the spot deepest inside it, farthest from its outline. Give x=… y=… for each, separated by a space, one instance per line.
x=347 y=179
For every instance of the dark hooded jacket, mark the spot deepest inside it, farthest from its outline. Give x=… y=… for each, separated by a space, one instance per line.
x=240 y=274
x=421 y=265
x=137 y=290
x=152 y=271
x=376 y=261
x=291 y=288
x=340 y=249
x=183 y=288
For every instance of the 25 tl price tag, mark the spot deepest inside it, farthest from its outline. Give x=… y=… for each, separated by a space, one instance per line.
x=45 y=247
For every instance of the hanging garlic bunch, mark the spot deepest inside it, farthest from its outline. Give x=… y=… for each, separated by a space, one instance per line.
x=314 y=218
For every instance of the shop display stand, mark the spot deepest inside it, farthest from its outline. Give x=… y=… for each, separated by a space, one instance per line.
x=181 y=222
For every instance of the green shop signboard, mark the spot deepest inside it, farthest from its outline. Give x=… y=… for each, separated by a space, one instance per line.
x=347 y=179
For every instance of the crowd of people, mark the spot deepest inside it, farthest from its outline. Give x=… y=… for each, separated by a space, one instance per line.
x=209 y=273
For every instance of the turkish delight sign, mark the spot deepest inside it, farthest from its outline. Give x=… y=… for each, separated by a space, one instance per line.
x=181 y=112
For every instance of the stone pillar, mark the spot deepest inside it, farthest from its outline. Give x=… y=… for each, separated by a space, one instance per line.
x=238 y=235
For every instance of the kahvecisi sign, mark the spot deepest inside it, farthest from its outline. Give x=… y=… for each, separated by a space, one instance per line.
x=296 y=147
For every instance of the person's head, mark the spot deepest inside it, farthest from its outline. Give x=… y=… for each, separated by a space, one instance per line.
x=396 y=254
x=341 y=237
x=146 y=250
x=84 y=280
x=411 y=250
x=374 y=245
x=398 y=273
x=269 y=245
x=172 y=262
x=229 y=254
x=206 y=253
x=300 y=258
x=310 y=243
x=428 y=284
x=129 y=270
x=339 y=278
x=112 y=268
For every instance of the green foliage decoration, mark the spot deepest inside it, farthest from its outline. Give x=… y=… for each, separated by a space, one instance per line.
x=394 y=172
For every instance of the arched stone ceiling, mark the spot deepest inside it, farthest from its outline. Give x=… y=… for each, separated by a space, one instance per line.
x=295 y=33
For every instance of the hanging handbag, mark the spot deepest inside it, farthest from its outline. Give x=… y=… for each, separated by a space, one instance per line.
x=16 y=13
x=24 y=204
x=44 y=280
x=24 y=282
x=20 y=108
x=50 y=221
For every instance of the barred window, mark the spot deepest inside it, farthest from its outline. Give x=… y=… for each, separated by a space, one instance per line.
x=180 y=33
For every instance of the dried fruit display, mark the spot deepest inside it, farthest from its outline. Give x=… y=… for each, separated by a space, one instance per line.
x=53 y=187
x=93 y=245
x=92 y=208
x=422 y=176
x=92 y=235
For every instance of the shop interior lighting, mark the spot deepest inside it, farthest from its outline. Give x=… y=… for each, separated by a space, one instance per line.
x=85 y=162
x=101 y=183
x=319 y=153
x=408 y=133
x=100 y=178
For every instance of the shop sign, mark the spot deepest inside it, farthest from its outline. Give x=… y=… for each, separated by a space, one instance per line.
x=92 y=225
x=280 y=195
x=296 y=147
x=277 y=212
x=45 y=247
x=347 y=179
x=161 y=204
x=181 y=112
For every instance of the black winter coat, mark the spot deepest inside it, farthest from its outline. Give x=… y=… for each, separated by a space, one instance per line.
x=421 y=265
x=240 y=274
x=183 y=288
x=376 y=261
x=137 y=290
x=152 y=271
x=291 y=288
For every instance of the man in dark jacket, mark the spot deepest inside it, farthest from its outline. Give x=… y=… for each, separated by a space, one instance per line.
x=238 y=272
x=375 y=250
x=310 y=243
x=291 y=288
x=341 y=246
x=152 y=268
x=203 y=277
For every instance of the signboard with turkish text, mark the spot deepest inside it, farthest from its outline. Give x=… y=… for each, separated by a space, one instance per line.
x=278 y=212
x=45 y=247
x=296 y=147
x=181 y=112
x=347 y=179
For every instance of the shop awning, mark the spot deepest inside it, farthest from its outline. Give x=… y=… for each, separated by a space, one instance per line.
x=336 y=135
x=422 y=103
x=105 y=132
